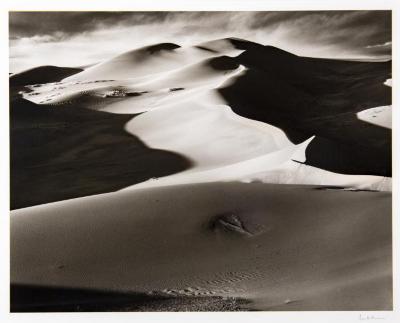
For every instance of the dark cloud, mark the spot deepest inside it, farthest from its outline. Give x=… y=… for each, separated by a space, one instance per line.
x=271 y=19
x=347 y=29
x=362 y=28
x=333 y=34
x=26 y=24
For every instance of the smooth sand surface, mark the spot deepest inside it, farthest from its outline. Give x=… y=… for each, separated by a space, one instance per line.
x=285 y=247
x=201 y=124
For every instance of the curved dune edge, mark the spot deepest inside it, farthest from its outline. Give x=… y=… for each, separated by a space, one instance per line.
x=230 y=172
x=279 y=167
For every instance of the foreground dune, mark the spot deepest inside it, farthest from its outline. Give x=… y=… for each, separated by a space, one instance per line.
x=324 y=250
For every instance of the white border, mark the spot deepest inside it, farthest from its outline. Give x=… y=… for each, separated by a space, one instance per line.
x=188 y=5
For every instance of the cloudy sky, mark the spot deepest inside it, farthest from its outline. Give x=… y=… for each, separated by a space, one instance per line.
x=81 y=38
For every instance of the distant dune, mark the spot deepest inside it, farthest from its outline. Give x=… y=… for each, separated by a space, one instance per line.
x=42 y=74
x=146 y=61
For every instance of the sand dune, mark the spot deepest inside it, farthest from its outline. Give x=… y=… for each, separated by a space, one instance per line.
x=227 y=169
x=201 y=124
x=184 y=96
x=147 y=61
x=294 y=94
x=146 y=241
x=134 y=63
x=273 y=87
x=140 y=93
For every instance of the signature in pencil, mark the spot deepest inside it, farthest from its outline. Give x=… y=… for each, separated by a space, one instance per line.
x=369 y=317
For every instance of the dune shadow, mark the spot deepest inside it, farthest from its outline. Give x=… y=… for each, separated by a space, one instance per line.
x=153 y=49
x=223 y=63
x=59 y=153
x=29 y=298
x=306 y=97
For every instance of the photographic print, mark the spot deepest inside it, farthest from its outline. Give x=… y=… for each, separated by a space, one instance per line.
x=200 y=161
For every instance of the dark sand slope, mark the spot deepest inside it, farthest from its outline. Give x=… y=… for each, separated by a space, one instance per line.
x=325 y=250
x=306 y=96
x=42 y=74
x=62 y=153
x=52 y=299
